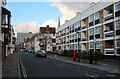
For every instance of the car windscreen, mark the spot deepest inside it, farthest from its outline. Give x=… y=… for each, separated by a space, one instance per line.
x=40 y=51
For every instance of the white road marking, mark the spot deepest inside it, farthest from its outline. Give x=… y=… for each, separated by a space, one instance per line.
x=92 y=75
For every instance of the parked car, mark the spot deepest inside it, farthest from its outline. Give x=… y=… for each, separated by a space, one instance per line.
x=31 y=51
x=41 y=53
x=21 y=50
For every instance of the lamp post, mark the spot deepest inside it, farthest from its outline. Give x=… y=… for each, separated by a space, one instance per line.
x=95 y=49
x=78 y=47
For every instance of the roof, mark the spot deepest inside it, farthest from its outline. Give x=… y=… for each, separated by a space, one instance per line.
x=48 y=29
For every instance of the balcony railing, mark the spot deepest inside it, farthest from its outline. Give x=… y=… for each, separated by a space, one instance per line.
x=109 y=50
x=83 y=38
x=108 y=34
x=83 y=26
x=108 y=17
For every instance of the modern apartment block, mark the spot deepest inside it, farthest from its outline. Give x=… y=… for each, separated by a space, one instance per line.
x=96 y=28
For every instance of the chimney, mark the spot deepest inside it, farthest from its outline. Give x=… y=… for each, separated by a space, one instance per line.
x=58 y=22
x=66 y=21
x=30 y=32
x=92 y=3
x=77 y=13
x=47 y=29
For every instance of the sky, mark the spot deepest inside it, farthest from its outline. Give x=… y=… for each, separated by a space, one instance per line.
x=29 y=16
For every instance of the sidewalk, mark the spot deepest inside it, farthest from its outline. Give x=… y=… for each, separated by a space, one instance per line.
x=107 y=65
x=10 y=66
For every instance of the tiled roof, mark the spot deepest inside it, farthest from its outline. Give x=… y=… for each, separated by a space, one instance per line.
x=49 y=30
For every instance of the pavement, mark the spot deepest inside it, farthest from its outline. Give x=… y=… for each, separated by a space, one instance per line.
x=39 y=67
x=11 y=67
x=107 y=65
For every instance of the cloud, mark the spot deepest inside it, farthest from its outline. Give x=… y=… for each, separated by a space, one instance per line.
x=51 y=23
x=26 y=27
x=68 y=9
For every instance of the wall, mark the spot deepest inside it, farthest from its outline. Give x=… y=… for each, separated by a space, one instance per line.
x=37 y=47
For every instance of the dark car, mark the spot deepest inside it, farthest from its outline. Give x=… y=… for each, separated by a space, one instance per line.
x=31 y=51
x=41 y=53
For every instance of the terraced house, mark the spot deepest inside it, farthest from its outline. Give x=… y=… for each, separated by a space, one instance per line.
x=96 y=28
x=7 y=38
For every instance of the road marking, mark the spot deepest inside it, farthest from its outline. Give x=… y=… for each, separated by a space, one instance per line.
x=24 y=71
x=92 y=75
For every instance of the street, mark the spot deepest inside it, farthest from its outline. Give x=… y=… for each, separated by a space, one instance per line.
x=46 y=67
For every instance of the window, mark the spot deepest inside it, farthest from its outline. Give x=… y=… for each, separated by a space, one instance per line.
x=117 y=6
x=97 y=30
x=91 y=32
x=76 y=47
x=73 y=27
x=118 y=25
x=72 y=37
x=79 y=24
x=91 y=45
x=118 y=43
x=53 y=40
x=76 y=36
x=91 y=18
x=98 y=45
x=79 y=46
x=70 y=28
x=97 y=16
x=76 y=25
x=4 y=19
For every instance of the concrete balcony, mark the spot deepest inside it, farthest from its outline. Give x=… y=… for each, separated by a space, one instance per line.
x=83 y=26
x=108 y=17
x=108 y=34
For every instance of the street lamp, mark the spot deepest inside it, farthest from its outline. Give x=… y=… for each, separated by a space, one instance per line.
x=95 y=49
x=78 y=47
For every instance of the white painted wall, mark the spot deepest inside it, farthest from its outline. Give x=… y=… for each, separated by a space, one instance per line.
x=0 y=21
x=37 y=47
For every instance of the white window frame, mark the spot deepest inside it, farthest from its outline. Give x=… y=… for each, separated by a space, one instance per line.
x=118 y=41
x=97 y=16
x=79 y=24
x=91 y=30
x=90 y=18
x=76 y=25
x=98 y=47
x=96 y=31
x=117 y=22
x=118 y=6
x=91 y=44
